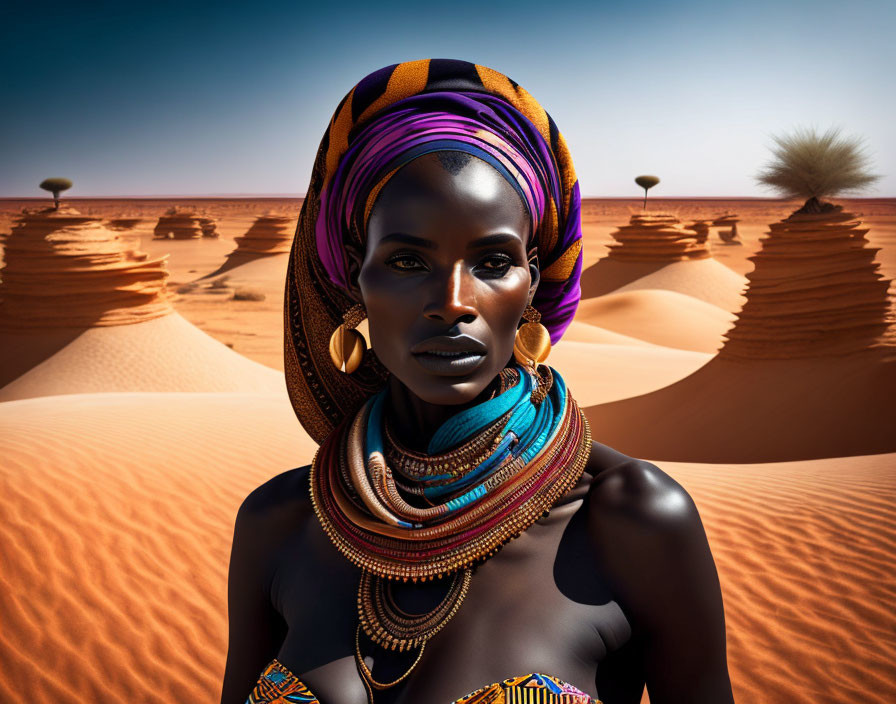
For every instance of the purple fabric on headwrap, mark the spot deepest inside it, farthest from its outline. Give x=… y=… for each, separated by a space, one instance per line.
x=477 y=123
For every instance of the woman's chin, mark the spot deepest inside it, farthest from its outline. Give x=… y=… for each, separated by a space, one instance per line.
x=446 y=389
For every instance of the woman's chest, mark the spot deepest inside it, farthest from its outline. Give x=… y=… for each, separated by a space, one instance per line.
x=539 y=605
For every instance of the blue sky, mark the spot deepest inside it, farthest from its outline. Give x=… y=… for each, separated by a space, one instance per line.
x=233 y=98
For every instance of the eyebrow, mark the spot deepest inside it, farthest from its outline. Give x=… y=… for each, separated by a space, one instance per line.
x=487 y=241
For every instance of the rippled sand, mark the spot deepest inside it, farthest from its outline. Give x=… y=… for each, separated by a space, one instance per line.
x=117 y=509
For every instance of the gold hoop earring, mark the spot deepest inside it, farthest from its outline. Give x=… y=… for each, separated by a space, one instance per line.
x=533 y=341
x=347 y=344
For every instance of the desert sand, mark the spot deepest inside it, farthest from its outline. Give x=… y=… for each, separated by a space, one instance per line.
x=659 y=251
x=661 y=316
x=167 y=354
x=118 y=508
x=117 y=516
x=805 y=551
x=267 y=240
x=82 y=310
x=65 y=269
x=808 y=369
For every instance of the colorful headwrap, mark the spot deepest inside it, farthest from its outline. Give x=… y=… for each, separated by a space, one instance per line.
x=391 y=117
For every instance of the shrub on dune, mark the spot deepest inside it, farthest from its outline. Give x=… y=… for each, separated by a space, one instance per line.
x=811 y=166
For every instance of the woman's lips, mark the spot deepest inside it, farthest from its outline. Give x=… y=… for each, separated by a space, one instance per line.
x=456 y=363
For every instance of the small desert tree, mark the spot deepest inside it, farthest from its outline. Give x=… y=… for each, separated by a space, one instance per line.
x=55 y=186
x=810 y=166
x=646 y=182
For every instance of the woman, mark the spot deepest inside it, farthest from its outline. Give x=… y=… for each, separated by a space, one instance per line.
x=458 y=526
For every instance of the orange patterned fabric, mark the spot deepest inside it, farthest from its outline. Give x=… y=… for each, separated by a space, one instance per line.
x=277 y=685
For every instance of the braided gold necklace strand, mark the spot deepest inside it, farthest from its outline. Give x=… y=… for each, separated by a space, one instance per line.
x=367 y=675
x=391 y=628
x=535 y=452
x=471 y=535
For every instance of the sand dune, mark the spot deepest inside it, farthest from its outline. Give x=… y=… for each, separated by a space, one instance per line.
x=726 y=226
x=189 y=259
x=115 y=549
x=269 y=237
x=658 y=316
x=816 y=291
x=776 y=410
x=657 y=251
x=808 y=371
x=117 y=517
x=166 y=354
x=706 y=279
x=267 y=273
x=244 y=301
x=65 y=269
x=123 y=224
x=806 y=553
x=269 y=234
x=658 y=237
x=83 y=311
x=601 y=373
x=584 y=332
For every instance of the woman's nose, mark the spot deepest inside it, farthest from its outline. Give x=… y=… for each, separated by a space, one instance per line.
x=452 y=297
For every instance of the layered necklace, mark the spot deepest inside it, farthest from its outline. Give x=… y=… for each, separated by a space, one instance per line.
x=488 y=474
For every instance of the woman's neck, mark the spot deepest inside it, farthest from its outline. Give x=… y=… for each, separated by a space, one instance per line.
x=414 y=421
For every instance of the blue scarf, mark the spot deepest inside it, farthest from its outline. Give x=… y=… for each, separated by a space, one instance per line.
x=527 y=430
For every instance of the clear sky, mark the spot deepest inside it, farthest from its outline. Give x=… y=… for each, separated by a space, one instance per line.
x=233 y=97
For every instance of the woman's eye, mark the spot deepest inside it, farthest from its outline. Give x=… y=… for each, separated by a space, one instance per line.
x=405 y=262
x=496 y=264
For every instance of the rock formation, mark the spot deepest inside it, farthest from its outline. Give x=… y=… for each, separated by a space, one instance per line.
x=815 y=292
x=178 y=224
x=256 y=261
x=701 y=227
x=208 y=227
x=123 y=224
x=65 y=269
x=658 y=237
x=657 y=251
x=269 y=234
x=808 y=369
x=81 y=311
x=727 y=225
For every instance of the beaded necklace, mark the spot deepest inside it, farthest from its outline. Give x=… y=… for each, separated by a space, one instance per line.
x=488 y=474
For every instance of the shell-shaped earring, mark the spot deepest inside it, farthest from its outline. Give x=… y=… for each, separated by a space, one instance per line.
x=347 y=344
x=533 y=341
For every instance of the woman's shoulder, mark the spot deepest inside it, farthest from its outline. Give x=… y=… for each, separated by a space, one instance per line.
x=629 y=488
x=645 y=530
x=281 y=501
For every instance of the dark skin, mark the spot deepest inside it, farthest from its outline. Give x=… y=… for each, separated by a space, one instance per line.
x=616 y=588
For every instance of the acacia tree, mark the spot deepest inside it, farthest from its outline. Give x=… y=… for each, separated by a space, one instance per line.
x=55 y=186
x=646 y=182
x=812 y=166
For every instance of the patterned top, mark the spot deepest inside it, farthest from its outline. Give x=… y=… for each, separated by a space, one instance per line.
x=277 y=685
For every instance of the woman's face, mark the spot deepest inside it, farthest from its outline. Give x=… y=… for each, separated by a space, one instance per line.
x=446 y=277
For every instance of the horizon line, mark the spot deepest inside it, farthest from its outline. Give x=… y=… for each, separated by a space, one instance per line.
x=281 y=196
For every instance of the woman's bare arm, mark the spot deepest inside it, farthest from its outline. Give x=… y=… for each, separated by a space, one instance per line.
x=256 y=630
x=649 y=537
